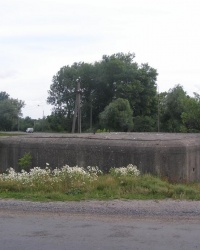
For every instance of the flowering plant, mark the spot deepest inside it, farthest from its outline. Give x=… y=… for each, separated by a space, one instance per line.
x=47 y=175
x=130 y=170
x=69 y=180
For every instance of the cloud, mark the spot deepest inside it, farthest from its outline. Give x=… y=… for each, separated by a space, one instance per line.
x=37 y=38
x=7 y=74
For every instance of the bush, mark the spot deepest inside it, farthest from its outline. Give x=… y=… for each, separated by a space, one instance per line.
x=25 y=161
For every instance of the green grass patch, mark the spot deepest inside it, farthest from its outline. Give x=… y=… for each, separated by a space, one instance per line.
x=105 y=187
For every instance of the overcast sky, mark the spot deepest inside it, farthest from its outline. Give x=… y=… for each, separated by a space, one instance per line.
x=37 y=38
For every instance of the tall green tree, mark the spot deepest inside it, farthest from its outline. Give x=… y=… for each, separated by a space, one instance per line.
x=10 y=111
x=172 y=106
x=115 y=76
x=191 y=115
x=62 y=93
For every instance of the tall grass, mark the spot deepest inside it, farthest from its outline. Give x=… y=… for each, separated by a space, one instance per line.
x=75 y=183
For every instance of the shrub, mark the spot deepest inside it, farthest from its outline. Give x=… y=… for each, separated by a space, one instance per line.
x=25 y=161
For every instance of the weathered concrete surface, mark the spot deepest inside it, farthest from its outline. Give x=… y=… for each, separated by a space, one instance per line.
x=175 y=156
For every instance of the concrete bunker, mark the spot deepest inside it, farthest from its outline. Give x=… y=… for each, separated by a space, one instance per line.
x=175 y=156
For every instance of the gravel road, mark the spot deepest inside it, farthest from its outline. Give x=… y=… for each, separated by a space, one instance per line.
x=173 y=209
x=117 y=224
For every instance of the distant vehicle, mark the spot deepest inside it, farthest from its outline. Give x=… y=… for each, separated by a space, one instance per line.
x=29 y=130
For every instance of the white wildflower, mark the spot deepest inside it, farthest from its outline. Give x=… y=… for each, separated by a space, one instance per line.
x=130 y=170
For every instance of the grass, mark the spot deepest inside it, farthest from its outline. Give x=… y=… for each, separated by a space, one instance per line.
x=103 y=187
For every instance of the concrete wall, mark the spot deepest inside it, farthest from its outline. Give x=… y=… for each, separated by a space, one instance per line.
x=175 y=156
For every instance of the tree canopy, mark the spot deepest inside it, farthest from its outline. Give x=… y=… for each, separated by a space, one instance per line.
x=114 y=80
x=117 y=94
x=10 y=111
x=115 y=76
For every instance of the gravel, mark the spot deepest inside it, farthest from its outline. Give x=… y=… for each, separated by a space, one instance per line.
x=162 y=209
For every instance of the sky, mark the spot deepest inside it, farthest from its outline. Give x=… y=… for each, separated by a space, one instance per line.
x=37 y=38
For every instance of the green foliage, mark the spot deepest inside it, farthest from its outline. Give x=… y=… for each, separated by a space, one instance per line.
x=115 y=76
x=58 y=122
x=178 y=111
x=10 y=111
x=25 y=161
x=4 y=96
x=172 y=106
x=117 y=116
x=25 y=123
x=101 y=130
x=191 y=115
x=119 y=76
x=145 y=123
x=74 y=183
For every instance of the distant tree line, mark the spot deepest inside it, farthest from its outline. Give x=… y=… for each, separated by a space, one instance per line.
x=116 y=82
x=117 y=94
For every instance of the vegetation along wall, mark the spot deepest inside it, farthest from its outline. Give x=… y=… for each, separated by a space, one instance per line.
x=174 y=156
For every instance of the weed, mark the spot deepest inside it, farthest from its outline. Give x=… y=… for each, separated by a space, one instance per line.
x=25 y=161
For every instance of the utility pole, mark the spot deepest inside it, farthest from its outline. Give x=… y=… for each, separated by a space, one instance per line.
x=74 y=118
x=158 y=110
x=79 y=106
x=91 y=117
x=43 y=121
x=77 y=111
x=18 y=123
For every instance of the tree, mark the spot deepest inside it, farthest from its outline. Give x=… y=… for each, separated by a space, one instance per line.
x=191 y=115
x=145 y=123
x=58 y=122
x=25 y=123
x=4 y=96
x=62 y=91
x=10 y=111
x=172 y=105
x=115 y=76
x=117 y=116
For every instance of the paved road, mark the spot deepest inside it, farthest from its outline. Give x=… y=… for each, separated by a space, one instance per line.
x=99 y=225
